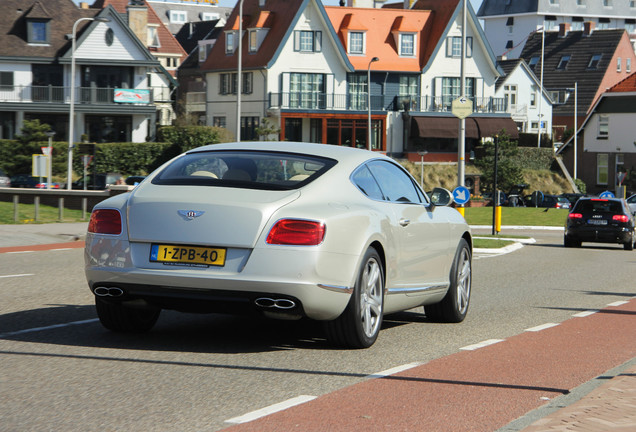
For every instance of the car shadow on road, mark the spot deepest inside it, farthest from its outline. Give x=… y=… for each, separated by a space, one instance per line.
x=75 y=325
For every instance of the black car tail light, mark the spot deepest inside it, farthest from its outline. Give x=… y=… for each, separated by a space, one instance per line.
x=620 y=218
x=575 y=216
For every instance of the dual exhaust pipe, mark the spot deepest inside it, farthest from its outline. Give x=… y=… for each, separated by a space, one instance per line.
x=269 y=303
x=108 y=291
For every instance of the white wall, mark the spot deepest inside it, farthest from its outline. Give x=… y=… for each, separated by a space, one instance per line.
x=621 y=134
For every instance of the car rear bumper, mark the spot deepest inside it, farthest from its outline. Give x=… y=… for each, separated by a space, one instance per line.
x=600 y=234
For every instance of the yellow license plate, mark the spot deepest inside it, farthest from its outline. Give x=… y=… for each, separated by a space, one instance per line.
x=194 y=255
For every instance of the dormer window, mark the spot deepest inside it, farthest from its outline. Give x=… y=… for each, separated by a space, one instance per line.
x=533 y=62
x=356 y=42
x=230 y=42
x=178 y=17
x=38 y=31
x=153 y=36
x=253 y=41
x=209 y=16
x=407 y=44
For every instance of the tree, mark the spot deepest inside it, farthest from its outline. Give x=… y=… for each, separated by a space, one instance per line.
x=267 y=129
x=33 y=130
x=509 y=171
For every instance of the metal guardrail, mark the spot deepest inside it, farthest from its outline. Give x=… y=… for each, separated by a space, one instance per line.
x=60 y=198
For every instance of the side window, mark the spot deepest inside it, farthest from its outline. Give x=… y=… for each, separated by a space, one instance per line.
x=395 y=184
x=363 y=179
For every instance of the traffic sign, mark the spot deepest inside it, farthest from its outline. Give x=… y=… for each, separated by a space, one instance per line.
x=462 y=107
x=461 y=195
x=607 y=194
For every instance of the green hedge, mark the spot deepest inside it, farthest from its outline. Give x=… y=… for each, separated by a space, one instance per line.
x=535 y=158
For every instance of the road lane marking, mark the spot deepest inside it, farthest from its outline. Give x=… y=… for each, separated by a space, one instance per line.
x=618 y=303
x=17 y=275
x=37 y=329
x=394 y=370
x=541 y=327
x=271 y=409
x=585 y=313
x=481 y=344
x=61 y=249
x=21 y=252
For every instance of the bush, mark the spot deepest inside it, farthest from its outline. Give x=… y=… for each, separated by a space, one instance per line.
x=188 y=137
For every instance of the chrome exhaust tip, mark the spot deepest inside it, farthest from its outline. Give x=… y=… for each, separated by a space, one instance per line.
x=268 y=303
x=108 y=291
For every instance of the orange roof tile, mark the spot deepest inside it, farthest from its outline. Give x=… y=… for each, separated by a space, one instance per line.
x=627 y=85
x=380 y=42
x=351 y=22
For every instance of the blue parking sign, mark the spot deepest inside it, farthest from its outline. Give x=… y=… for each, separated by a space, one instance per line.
x=607 y=194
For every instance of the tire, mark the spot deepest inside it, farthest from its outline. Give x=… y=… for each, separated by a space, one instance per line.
x=454 y=307
x=629 y=245
x=359 y=324
x=119 y=318
x=570 y=243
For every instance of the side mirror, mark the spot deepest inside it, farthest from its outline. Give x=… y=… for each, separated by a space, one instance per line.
x=441 y=197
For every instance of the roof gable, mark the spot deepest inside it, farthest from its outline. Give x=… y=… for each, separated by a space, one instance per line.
x=61 y=14
x=283 y=16
x=580 y=47
x=627 y=85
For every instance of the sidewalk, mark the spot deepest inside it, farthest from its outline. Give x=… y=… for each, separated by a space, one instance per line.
x=38 y=234
x=607 y=403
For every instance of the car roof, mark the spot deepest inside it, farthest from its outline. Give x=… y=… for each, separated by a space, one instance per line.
x=340 y=153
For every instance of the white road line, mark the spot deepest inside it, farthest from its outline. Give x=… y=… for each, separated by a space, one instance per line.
x=271 y=409
x=394 y=370
x=62 y=249
x=618 y=303
x=21 y=252
x=541 y=327
x=37 y=329
x=17 y=275
x=585 y=313
x=481 y=344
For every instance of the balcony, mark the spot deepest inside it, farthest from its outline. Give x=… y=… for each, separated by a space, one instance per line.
x=83 y=95
x=344 y=102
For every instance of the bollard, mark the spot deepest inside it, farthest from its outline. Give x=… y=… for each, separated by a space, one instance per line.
x=498 y=219
x=461 y=211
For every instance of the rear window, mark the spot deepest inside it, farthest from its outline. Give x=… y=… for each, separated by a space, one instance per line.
x=248 y=169
x=598 y=206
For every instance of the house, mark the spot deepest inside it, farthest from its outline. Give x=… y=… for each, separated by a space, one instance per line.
x=113 y=99
x=197 y=39
x=521 y=89
x=319 y=73
x=178 y=15
x=591 y=60
x=508 y=24
x=606 y=145
x=155 y=36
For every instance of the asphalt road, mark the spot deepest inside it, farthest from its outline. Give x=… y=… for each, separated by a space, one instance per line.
x=60 y=370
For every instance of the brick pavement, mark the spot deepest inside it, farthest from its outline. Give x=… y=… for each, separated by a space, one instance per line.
x=610 y=407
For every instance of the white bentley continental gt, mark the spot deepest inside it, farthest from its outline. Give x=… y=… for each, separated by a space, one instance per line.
x=288 y=230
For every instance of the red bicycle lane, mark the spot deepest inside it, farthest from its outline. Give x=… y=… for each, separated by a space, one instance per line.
x=473 y=390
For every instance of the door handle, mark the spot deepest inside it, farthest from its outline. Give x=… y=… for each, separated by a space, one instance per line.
x=404 y=222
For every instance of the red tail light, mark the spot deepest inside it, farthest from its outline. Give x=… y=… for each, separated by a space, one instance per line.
x=620 y=218
x=297 y=232
x=575 y=216
x=105 y=221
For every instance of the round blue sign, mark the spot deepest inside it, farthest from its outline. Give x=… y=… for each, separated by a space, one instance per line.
x=607 y=194
x=461 y=195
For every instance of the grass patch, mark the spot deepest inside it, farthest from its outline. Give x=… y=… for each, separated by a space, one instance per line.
x=48 y=214
x=491 y=243
x=528 y=216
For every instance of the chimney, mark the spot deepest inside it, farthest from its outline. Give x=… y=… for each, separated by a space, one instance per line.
x=83 y=5
x=588 y=27
x=138 y=20
x=564 y=29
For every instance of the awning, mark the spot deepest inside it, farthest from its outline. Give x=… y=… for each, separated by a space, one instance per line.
x=448 y=127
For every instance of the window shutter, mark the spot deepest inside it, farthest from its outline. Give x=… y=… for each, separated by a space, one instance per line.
x=469 y=46
x=449 y=47
x=296 y=40
x=318 y=41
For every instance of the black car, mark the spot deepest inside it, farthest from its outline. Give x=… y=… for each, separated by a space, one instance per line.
x=600 y=220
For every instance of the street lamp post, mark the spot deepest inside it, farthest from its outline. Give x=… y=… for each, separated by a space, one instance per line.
x=71 y=114
x=239 y=81
x=374 y=59
x=541 y=84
